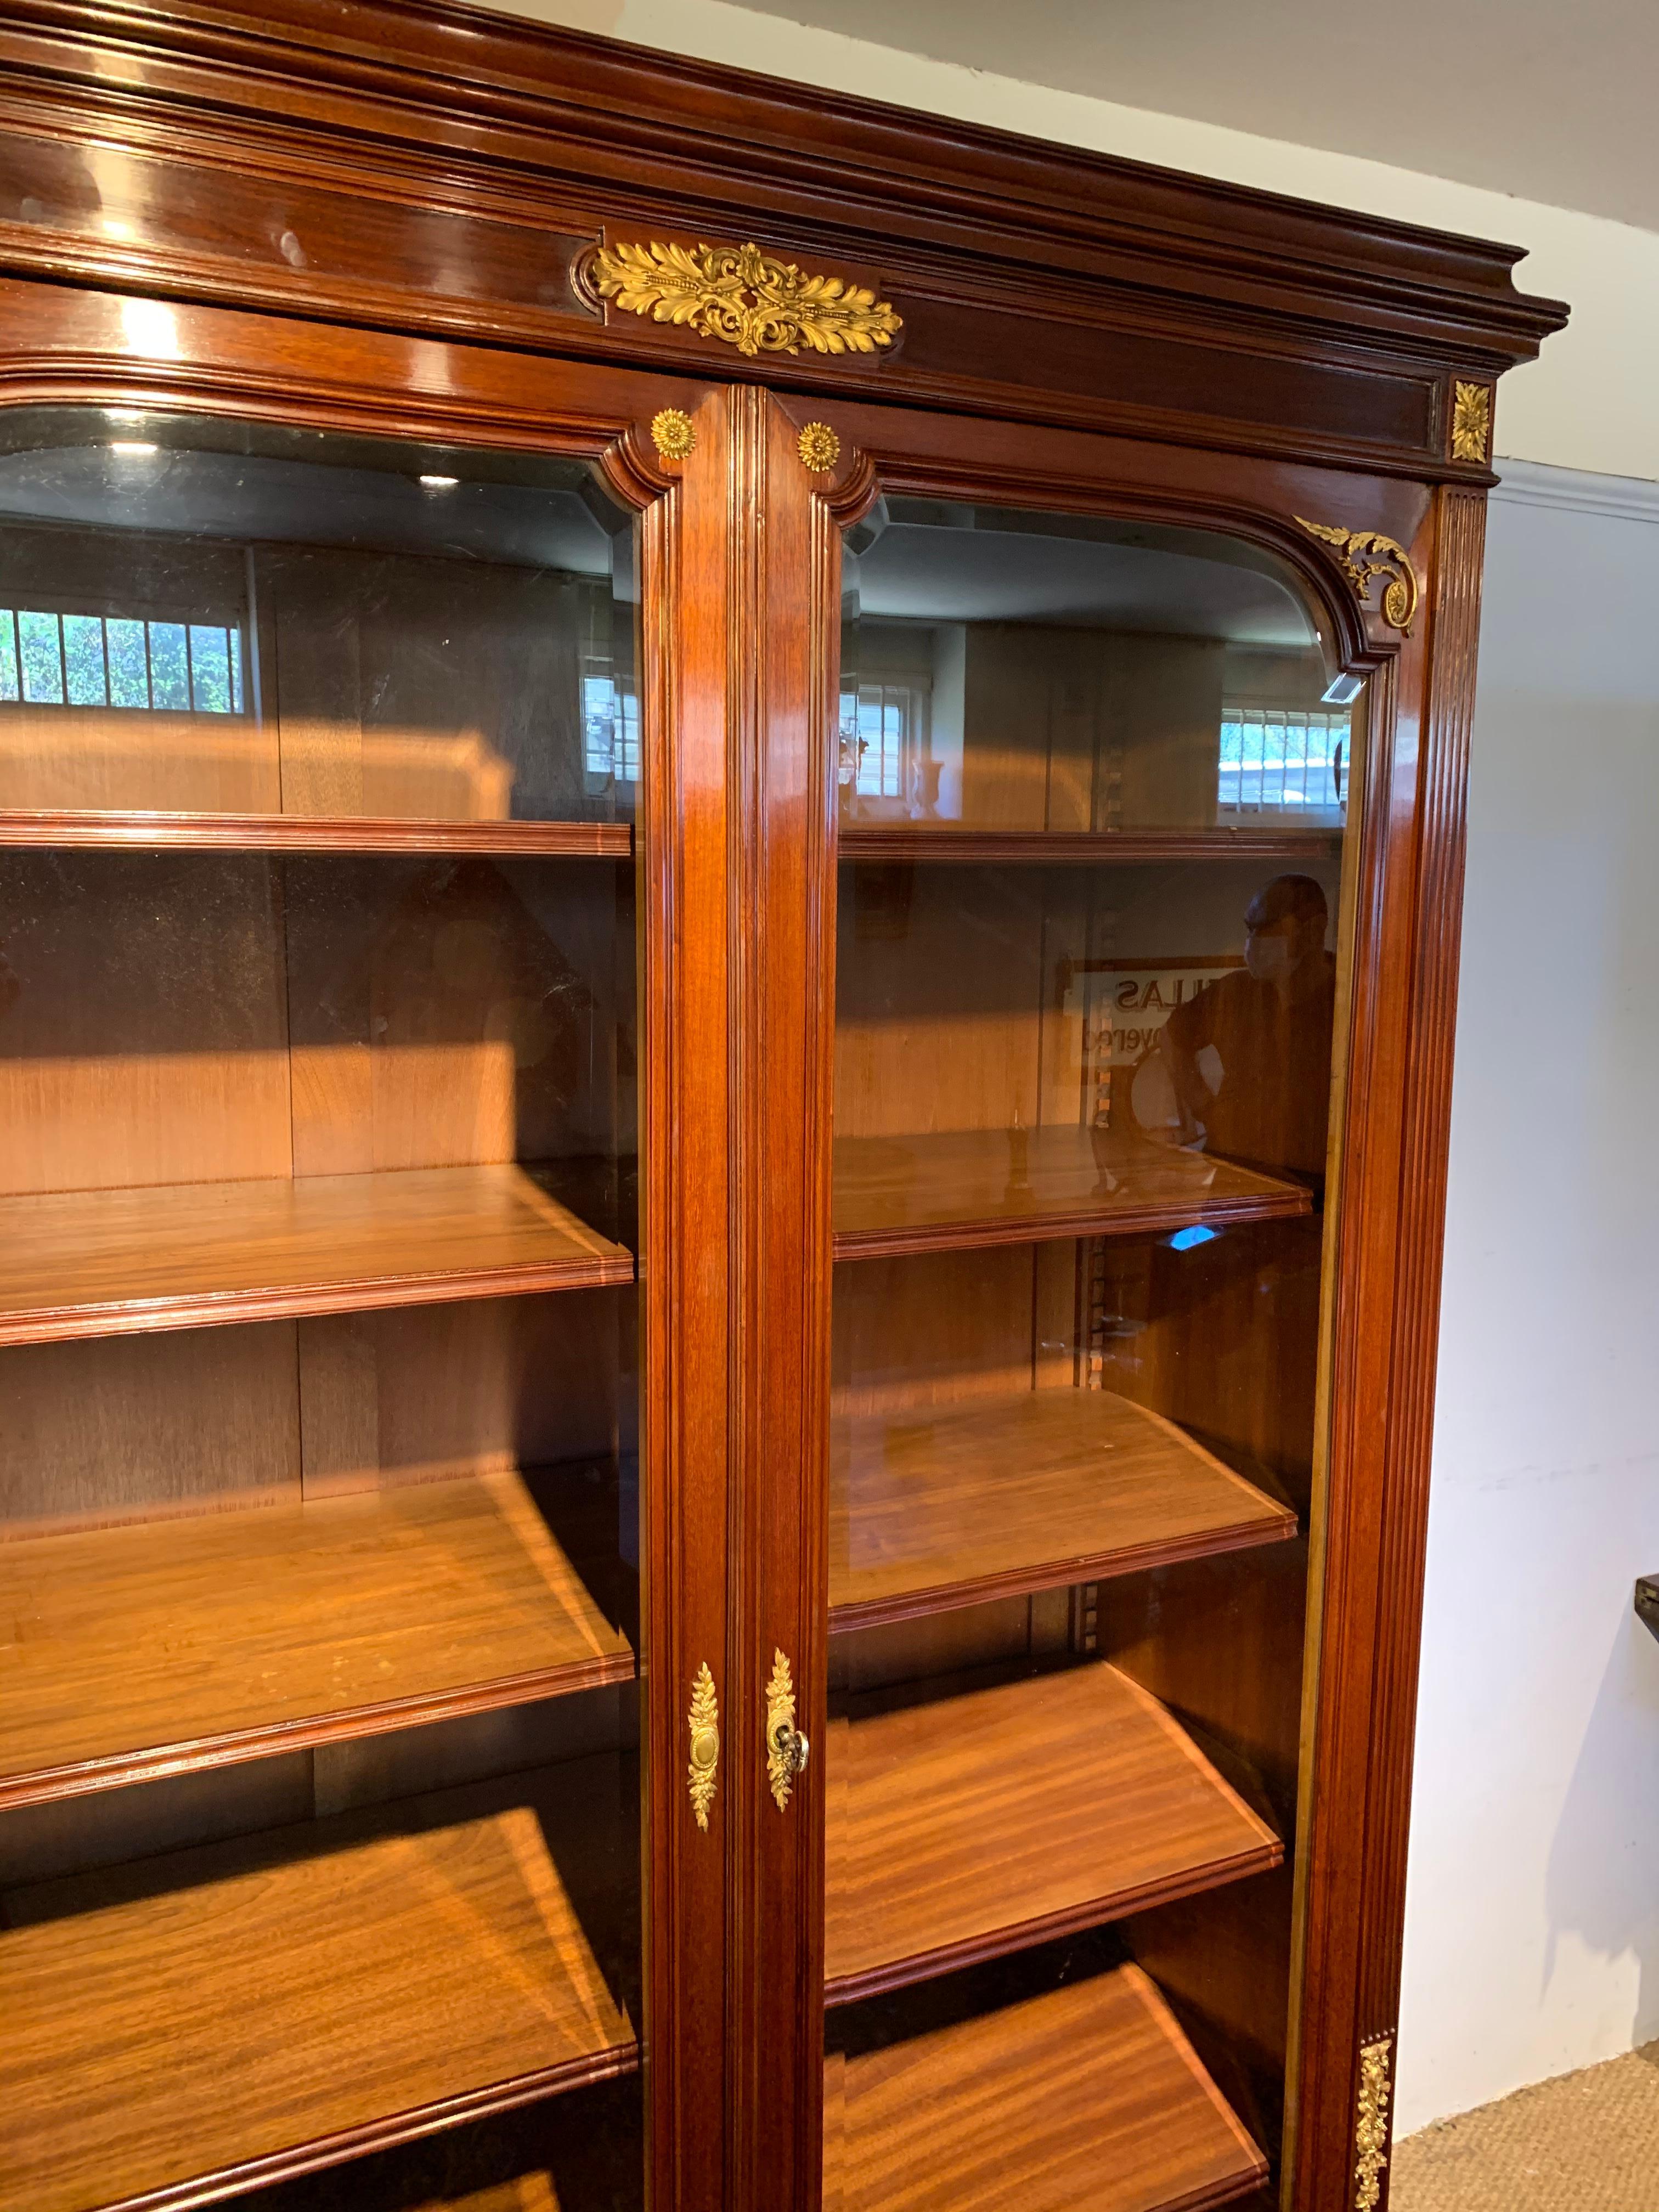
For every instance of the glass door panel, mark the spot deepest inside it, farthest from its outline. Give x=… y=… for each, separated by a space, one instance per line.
x=1094 y=794
x=224 y=618
x=320 y=1503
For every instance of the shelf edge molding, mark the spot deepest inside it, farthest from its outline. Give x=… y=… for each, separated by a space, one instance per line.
x=1055 y=1574
x=351 y=2143
x=171 y=1256
x=950 y=1190
x=882 y=842
x=1079 y=1485
x=350 y=1724
x=135 y=828
x=953 y=1840
x=453 y=1917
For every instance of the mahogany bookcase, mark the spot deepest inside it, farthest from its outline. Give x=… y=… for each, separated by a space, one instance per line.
x=730 y=835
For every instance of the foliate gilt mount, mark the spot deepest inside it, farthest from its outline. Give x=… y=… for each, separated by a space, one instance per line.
x=703 y=1721
x=1371 y=2122
x=743 y=297
x=1366 y=555
x=780 y=1771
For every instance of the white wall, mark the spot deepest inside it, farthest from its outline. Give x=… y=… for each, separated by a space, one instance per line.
x=1533 y=1909
x=1531 y=1940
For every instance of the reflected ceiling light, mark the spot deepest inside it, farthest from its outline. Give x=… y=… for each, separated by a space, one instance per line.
x=1342 y=690
x=440 y=483
x=130 y=445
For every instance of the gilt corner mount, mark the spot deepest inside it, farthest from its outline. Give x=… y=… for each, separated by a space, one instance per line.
x=1366 y=555
x=1471 y=423
x=743 y=297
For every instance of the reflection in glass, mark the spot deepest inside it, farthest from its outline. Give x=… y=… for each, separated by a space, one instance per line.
x=1092 y=797
x=319 y=1401
x=1071 y=672
x=331 y=626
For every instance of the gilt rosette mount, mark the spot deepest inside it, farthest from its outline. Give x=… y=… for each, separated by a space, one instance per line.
x=819 y=448
x=673 y=434
x=743 y=296
x=1366 y=555
x=1471 y=421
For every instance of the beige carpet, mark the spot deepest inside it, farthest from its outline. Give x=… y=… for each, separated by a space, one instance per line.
x=1587 y=2143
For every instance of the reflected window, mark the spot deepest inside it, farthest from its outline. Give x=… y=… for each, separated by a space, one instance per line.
x=240 y=619
x=50 y=658
x=610 y=728
x=887 y=723
x=1287 y=758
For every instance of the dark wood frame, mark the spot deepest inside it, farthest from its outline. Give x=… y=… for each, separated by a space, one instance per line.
x=1079 y=332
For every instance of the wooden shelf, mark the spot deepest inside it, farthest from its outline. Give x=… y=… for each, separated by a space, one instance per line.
x=303 y=833
x=945 y=1506
x=1088 y=2095
x=966 y=1826
x=117 y=1262
x=233 y=2015
x=953 y=1189
x=963 y=845
x=152 y=1649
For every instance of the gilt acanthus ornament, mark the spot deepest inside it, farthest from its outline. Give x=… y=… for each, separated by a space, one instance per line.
x=743 y=297
x=703 y=1721
x=1366 y=555
x=1371 y=2122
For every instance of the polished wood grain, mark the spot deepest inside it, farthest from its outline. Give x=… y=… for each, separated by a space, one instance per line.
x=1222 y=359
x=575 y=2153
x=439 y=182
x=684 y=857
x=1030 y=1491
x=276 y=833
x=785 y=548
x=246 y=2011
x=949 y=842
x=1086 y=2095
x=99 y=1431
x=1383 y=1327
x=965 y=1824
x=145 y=1028
x=955 y=1188
x=98 y=1263
x=166 y=1645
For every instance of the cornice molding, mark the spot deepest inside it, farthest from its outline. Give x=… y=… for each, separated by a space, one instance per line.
x=1576 y=491
x=494 y=95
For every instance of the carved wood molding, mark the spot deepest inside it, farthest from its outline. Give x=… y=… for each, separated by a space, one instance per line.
x=403 y=177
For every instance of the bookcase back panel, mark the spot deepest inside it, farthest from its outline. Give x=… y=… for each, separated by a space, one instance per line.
x=206 y=1017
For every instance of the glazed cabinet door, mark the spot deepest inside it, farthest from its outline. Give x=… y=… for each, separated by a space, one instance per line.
x=363 y=1298
x=1098 y=788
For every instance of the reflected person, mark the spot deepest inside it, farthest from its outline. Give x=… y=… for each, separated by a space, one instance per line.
x=1250 y=1055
